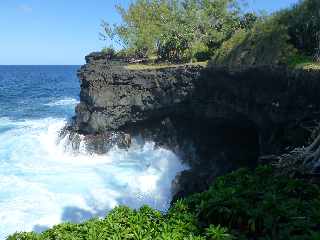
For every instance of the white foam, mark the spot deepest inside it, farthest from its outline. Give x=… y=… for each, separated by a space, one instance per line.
x=63 y=102
x=42 y=185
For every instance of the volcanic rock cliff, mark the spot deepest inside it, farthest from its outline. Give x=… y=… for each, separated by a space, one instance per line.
x=215 y=118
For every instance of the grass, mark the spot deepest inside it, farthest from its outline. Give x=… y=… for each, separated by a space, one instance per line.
x=303 y=62
x=309 y=66
x=162 y=65
x=296 y=62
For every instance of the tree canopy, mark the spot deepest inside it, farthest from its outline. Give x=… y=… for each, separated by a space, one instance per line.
x=303 y=22
x=184 y=30
x=175 y=30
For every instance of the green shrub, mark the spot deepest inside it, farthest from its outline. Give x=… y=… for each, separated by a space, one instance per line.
x=282 y=38
x=171 y=27
x=125 y=53
x=298 y=59
x=303 y=23
x=109 y=50
x=218 y=233
x=248 y=20
x=222 y=55
x=200 y=52
x=126 y=223
x=265 y=44
x=173 y=45
x=260 y=205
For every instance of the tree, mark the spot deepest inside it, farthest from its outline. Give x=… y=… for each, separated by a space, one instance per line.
x=317 y=52
x=303 y=21
x=171 y=28
x=303 y=160
x=173 y=45
x=248 y=20
x=143 y=23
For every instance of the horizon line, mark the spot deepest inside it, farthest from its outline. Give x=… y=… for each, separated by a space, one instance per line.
x=41 y=64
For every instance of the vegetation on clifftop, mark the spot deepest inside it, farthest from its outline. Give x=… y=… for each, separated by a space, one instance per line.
x=198 y=30
x=241 y=205
x=176 y=30
x=140 y=66
x=290 y=37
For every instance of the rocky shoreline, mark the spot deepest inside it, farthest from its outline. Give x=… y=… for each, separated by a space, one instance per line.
x=217 y=120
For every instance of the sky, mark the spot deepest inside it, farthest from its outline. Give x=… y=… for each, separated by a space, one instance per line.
x=62 y=32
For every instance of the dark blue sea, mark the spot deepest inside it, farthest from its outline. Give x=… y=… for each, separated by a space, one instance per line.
x=42 y=183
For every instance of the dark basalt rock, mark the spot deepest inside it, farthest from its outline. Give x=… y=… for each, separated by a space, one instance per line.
x=217 y=120
x=99 y=143
x=113 y=97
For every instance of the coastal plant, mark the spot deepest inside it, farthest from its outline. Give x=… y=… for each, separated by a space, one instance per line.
x=126 y=223
x=109 y=50
x=170 y=28
x=303 y=22
x=260 y=205
x=266 y=43
x=218 y=233
x=288 y=37
x=187 y=30
x=173 y=46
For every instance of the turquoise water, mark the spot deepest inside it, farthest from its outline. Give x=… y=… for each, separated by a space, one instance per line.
x=43 y=184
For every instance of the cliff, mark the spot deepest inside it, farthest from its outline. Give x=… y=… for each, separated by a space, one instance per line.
x=216 y=119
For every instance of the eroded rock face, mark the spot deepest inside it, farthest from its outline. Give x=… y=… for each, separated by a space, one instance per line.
x=217 y=120
x=99 y=143
x=113 y=97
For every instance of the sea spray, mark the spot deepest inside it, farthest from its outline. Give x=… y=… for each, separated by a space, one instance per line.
x=42 y=184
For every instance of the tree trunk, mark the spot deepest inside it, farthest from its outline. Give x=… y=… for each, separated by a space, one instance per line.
x=304 y=158
x=311 y=155
x=317 y=52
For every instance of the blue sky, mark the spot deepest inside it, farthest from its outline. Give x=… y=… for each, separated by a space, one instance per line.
x=48 y=32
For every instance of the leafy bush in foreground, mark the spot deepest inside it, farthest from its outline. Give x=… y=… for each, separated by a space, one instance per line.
x=126 y=223
x=240 y=205
x=261 y=206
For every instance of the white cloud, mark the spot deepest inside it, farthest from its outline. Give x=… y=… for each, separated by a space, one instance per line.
x=25 y=8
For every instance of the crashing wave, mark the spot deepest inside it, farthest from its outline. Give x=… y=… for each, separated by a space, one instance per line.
x=43 y=182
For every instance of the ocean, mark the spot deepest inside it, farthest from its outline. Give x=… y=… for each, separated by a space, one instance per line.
x=41 y=182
